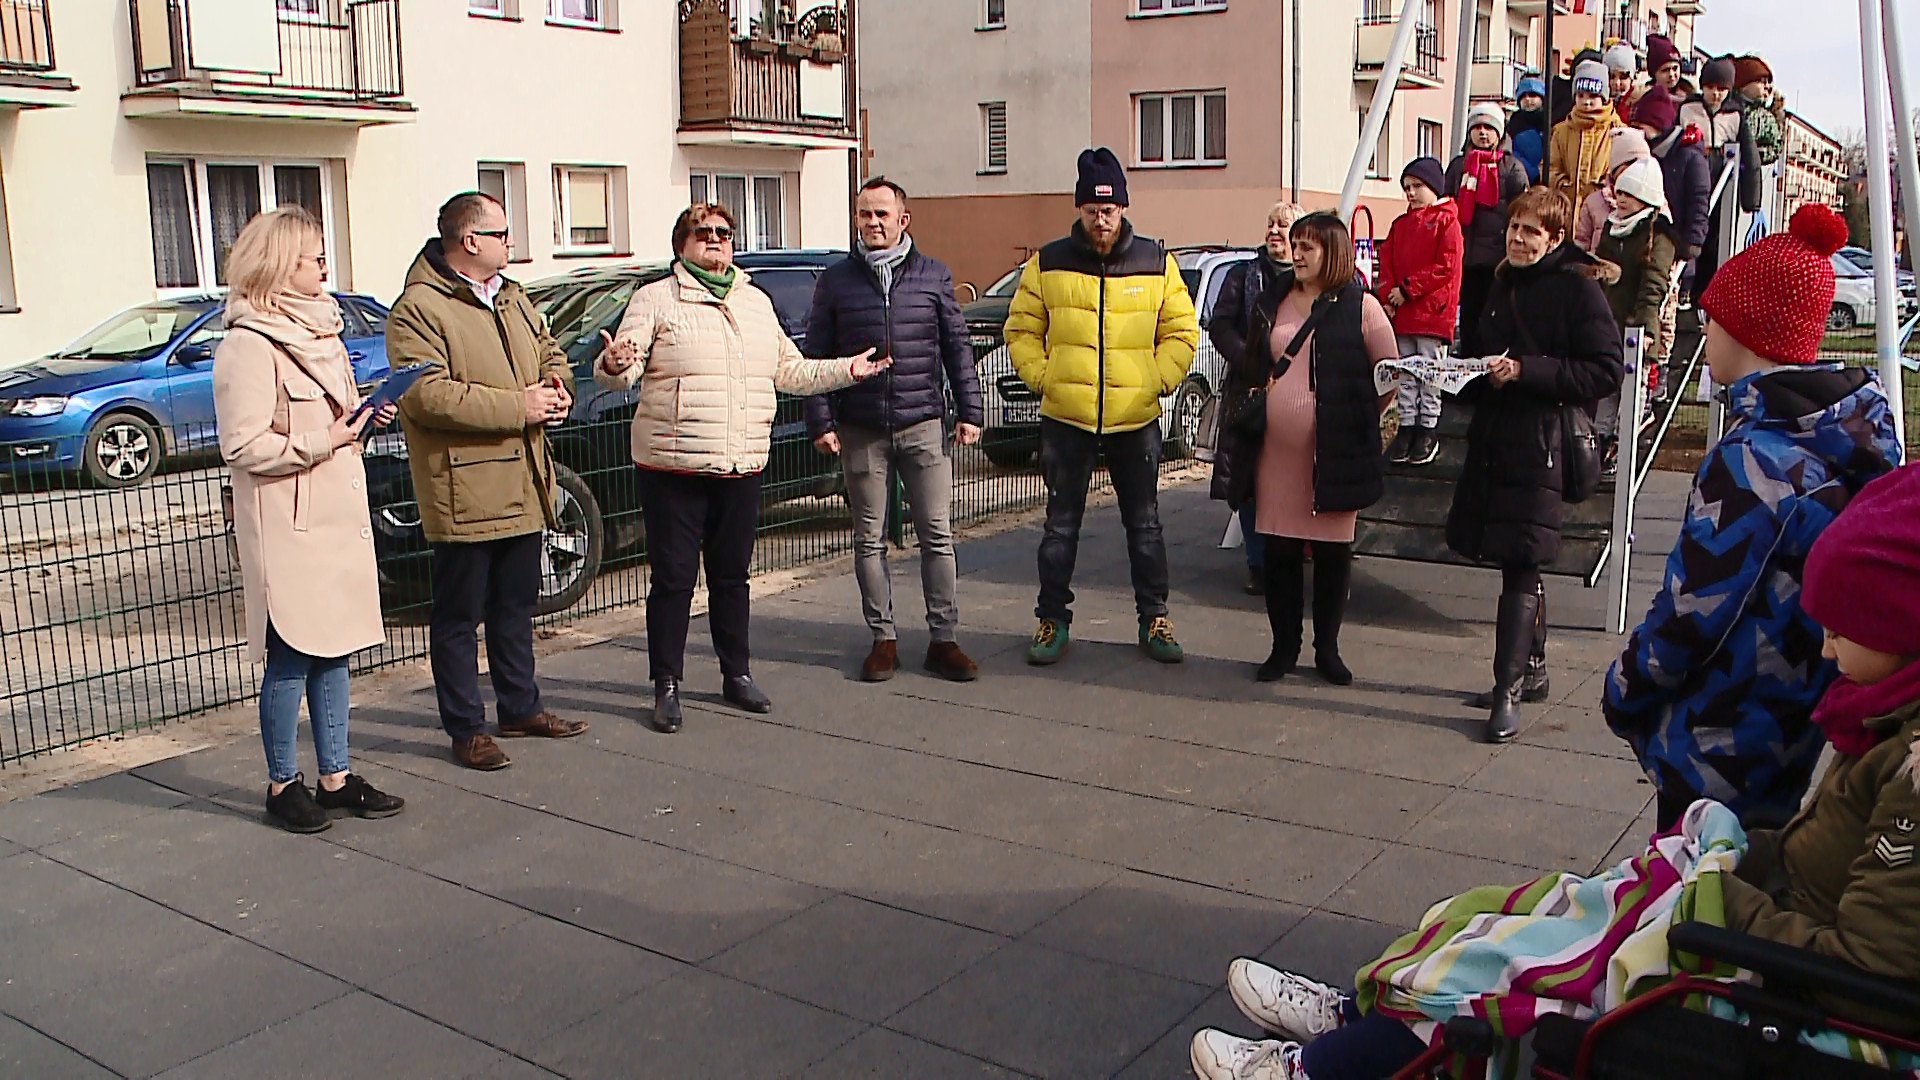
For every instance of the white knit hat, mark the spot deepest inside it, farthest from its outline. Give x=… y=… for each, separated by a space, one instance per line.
x=1644 y=181
x=1621 y=57
x=1487 y=114
x=1590 y=77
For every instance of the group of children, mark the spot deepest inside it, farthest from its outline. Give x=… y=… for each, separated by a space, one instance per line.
x=1637 y=159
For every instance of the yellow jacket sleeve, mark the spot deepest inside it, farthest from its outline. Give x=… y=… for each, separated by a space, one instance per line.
x=1178 y=334
x=1026 y=330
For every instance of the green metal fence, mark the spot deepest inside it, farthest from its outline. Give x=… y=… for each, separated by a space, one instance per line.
x=121 y=609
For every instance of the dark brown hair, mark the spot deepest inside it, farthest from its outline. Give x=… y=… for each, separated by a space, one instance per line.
x=692 y=216
x=461 y=213
x=1330 y=234
x=1552 y=209
x=878 y=182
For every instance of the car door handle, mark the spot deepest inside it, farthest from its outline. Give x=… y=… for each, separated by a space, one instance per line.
x=356 y=356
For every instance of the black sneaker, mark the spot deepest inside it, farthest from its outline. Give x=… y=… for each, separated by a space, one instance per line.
x=1402 y=447
x=1426 y=447
x=357 y=798
x=294 y=809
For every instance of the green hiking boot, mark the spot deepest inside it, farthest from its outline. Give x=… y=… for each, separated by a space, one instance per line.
x=1156 y=637
x=1049 y=642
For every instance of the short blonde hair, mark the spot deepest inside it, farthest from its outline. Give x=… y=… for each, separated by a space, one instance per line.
x=1285 y=213
x=266 y=252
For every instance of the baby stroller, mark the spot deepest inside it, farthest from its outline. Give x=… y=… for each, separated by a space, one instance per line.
x=1655 y=1037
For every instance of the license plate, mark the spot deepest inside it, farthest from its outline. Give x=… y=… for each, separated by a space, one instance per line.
x=1024 y=413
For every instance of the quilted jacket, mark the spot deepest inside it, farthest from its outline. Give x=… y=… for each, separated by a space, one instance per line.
x=1716 y=688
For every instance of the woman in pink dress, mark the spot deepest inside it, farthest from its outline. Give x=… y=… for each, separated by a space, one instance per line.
x=1319 y=462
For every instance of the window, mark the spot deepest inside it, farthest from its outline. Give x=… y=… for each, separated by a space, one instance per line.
x=1429 y=137
x=9 y=301
x=1177 y=7
x=1381 y=163
x=758 y=205
x=306 y=10
x=506 y=181
x=1519 y=48
x=1182 y=129
x=597 y=14
x=592 y=205
x=993 y=136
x=197 y=209
x=499 y=9
x=995 y=15
x=1483 y=29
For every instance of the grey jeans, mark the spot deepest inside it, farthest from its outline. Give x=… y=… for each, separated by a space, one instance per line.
x=919 y=455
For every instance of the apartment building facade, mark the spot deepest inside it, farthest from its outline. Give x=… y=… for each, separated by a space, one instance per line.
x=1812 y=168
x=138 y=136
x=979 y=106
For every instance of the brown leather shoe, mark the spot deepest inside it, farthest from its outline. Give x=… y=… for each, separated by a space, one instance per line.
x=480 y=752
x=544 y=726
x=945 y=659
x=881 y=663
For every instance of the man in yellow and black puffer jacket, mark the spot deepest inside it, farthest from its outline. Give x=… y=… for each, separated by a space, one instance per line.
x=1101 y=328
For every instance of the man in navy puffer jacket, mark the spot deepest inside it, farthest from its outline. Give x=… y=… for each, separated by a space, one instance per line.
x=891 y=298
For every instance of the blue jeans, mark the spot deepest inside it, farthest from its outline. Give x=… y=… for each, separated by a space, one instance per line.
x=1251 y=539
x=323 y=680
x=1367 y=1047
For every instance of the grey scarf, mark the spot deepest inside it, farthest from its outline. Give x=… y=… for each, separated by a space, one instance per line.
x=885 y=262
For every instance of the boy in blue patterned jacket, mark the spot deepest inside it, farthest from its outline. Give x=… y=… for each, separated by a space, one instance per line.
x=1716 y=688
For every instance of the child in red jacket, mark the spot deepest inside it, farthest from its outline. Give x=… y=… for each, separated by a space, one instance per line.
x=1420 y=287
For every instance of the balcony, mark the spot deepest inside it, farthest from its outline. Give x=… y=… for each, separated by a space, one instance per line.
x=27 y=79
x=1531 y=8
x=1625 y=28
x=314 y=61
x=1495 y=78
x=1679 y=8
x=1420 y=70
x=784 y=83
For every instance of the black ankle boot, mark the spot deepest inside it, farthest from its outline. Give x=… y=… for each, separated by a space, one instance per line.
x=1512 y=641
x=740 y=691
x=666 y=705
x=1332 y=577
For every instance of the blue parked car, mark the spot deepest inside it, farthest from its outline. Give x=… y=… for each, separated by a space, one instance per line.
x=137 y=391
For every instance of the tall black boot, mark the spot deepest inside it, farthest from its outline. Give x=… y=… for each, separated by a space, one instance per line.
x=1512 y=641
x=1332 y=577
x=1286 y=598
x=1534 y=685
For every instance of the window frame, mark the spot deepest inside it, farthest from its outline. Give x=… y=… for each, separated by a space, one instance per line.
x=988 y=167
x=1380 y=165
x=1423 y=129
x=9 y=295
x=617 y=242
x=608 y=20
x=746 y=217
x=519 y=237
x=201 y=209
x=1160 y=9
x=323 y=13
x=494 y=9
x=1163 y=100
x=987 y=21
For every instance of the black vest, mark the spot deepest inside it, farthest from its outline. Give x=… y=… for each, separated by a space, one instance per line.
x=1348 y=471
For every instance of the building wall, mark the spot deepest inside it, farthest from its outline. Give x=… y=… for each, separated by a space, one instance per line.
x=76 y=191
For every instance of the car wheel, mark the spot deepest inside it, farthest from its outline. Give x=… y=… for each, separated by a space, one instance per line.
x=570 y=552
x=122 y=450
x=1007 y=452
x=1183 y=430
x=1841 y=318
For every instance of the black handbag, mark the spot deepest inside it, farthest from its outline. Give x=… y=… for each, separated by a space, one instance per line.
x=1250 y=416
x=1580 y=455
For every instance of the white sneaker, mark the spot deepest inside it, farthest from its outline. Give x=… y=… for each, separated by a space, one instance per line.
x=1220 y=1056
x=1289 y=1005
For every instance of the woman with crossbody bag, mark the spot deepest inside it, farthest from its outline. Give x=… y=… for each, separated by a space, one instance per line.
x=285 y=403
x=1554 y=351
x=1306 y=436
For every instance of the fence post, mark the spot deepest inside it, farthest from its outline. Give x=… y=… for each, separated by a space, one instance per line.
x=1633 y=410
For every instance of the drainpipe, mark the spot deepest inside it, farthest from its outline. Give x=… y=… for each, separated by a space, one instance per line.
x=1295 y=95
x=1377 y=112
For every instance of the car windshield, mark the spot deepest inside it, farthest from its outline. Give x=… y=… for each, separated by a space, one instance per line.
x=578 y=311
x=1008 y=284
x=1191 y=275
x=134 y=334
x=792 y=294
x=1845 y=268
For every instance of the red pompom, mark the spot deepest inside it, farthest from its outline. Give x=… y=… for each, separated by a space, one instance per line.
x=1819 y=228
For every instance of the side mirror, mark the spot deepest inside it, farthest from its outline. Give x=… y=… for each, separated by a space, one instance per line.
x=972 y=293
x=196 y=353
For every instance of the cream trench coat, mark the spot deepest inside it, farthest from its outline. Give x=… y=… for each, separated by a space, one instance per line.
x=300 y=506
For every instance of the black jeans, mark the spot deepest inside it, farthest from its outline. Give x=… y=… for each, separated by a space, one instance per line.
x=1133 y=461
x=495 y=582
x=691 y=518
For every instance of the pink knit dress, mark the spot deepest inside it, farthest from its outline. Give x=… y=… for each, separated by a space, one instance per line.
x=1283 y=486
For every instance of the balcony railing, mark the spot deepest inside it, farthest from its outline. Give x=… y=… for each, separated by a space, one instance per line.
x=1496 y=78
x=1374 y=40
x=1625 y=28
x=26 y=36
x=787 y=77
x=348 y=49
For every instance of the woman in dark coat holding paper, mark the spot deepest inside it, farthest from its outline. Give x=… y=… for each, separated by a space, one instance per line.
x=1553 y=343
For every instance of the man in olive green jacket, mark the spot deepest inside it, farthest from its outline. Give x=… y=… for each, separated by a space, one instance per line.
x=482 y=472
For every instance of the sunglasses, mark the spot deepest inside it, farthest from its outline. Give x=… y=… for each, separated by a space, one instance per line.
x=713 y=232
x=497 y=234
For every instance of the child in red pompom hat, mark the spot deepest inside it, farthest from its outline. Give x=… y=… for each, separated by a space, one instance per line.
x=1716 y=689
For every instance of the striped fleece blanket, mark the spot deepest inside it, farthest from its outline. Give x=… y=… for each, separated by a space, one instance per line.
x=1568 y=944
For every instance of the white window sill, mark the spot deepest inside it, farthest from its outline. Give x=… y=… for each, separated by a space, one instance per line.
x=991 y=172
x=607 y=252
x=986 y=27
x=1175 y=13
x=497 y=16
x=576 y=24
x=1180 y=164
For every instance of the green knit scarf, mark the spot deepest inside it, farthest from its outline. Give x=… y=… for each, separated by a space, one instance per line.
x=717 y=284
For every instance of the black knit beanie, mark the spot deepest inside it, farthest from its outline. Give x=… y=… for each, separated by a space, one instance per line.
x=1102 y=180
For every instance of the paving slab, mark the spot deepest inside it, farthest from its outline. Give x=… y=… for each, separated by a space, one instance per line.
x=83 y=809
x=880 y=1054
x=386 y=1041
x=26 y=1052
x=1166 y=926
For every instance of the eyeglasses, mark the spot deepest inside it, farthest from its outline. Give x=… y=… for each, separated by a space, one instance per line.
x=714 y=232
x=497 y=234
x=318 y=260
